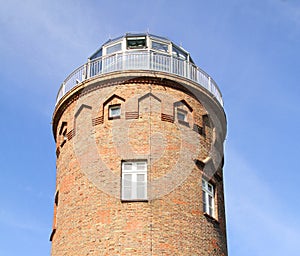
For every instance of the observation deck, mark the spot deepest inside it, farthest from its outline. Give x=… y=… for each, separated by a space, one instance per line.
x=140 y=52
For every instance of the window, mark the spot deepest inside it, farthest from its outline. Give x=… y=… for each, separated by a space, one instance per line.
x=113 y=48
x=56 y=198
x=64 y=138
x=55 y=216
x=96 y=54
x=114 y=111
x=134 y=180
x=159 y=46
x=208 y=198
x=63 y=134
x=181 y=115
x=176 y=52
x=136 y=42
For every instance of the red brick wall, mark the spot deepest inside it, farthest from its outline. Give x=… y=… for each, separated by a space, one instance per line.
x=90 y=217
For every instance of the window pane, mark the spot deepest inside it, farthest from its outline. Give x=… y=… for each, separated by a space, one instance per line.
x=127 y=180
x=114 y=111
x=210 y=211
x=140 y=166
x=140 y=178
x=210 y=201
x=97 y=54
x=204 y=200
x=159 y=46
x=210 y=188
x=136 y=42
x=178 y=53
x=113 y=48
x=127 y=186
x=141 y=186
x=127 y=166
x=181 y=116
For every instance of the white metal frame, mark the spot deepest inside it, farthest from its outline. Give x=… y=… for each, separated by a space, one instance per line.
x=134 y=181
x=208 y=197
x=111 y=109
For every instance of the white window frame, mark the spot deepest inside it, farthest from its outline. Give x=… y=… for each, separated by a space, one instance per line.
x=114 y=107
x=132 y=38
x=132 y=171
x=208 y=197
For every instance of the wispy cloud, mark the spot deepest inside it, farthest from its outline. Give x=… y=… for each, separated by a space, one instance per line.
x=20 y=222
x=257 y=220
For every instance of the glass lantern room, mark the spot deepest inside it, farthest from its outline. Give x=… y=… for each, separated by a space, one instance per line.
x=143 y=52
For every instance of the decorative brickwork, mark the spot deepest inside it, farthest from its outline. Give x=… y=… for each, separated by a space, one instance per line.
x=98 y=120
x=167 y=118
x=71 y=134
x=132 y=115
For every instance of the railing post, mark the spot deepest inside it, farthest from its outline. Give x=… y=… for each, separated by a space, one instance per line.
x=149 y=59
x=140 y=60
x=88 y=69
x=63 y=88
x=209 y=84
x=84 y=72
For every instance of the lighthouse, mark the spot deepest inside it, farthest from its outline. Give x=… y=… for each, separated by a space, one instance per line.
x=139 y=131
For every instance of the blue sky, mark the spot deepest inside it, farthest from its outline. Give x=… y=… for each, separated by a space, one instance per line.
x=250 y=48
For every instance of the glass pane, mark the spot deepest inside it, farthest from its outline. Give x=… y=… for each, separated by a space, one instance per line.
x=141 y=177
x=136 y=42
x=204 y=200
x=127 y=180
x=178 y=53
x=141 y=192
x=114 y=111
x=126 y=193
x=210 y=211
x=127 y=166
x=113 y=48
x=127 y=186
x=97 y=54
x=141 y=166
x=159 y=46
x=141 y=186
x=210 y=188
x=181 y=116
x=210 y=200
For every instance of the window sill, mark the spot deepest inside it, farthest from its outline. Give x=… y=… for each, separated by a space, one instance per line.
x=211 y=218
x=134 y=200
x=184 y=123
x=114 y=117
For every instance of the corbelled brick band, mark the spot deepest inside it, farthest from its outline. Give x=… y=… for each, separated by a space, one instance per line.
x=89 y=218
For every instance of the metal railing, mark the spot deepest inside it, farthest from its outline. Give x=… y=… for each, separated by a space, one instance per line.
x=140 y=60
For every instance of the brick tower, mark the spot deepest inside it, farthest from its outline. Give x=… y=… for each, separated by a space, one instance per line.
x=139 y=133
